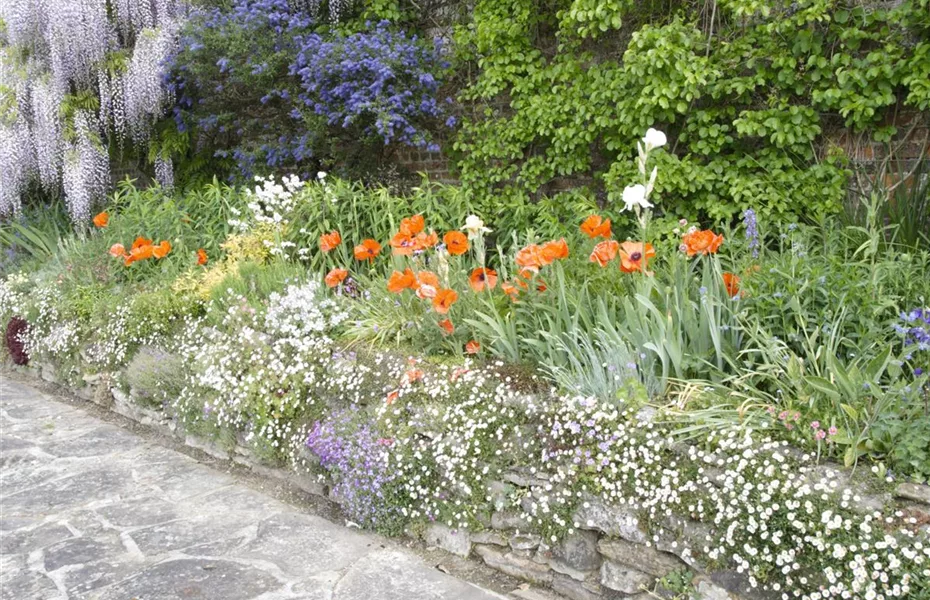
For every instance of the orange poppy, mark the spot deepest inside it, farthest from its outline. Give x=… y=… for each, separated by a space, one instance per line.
x=444 y=300
x=456 y=242
x=201 y=256
x=141 y=241
x=367 y=250
x=428 y=278
x=447 y=326
x=329 y=241
x=425 y=240
x=391 y=397
x=162 y=249
x=511 y=290
x=399 y=282
x=140 y=252
x=427 y=292
x=118 y=251
x=554 y=250
x=402 y=244
x=481 y=278
x=335 y=277
x=632 y=255
x=472 y=347
x=595 y=227
x=731 y=282
x=531 y=257
x=413 y=375
x=703 y=241
x=412 y=225
x=428 y=285
x=101 y=219
x=604 y=252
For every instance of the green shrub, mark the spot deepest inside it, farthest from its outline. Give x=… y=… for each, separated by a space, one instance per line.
x=155 y=376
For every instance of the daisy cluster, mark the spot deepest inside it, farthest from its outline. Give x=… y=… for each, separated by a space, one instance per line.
x=50 y=334
x=270 y=204
x=760 y=507
x=252 y=373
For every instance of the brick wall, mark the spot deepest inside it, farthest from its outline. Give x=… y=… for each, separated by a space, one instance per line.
x=435 y=165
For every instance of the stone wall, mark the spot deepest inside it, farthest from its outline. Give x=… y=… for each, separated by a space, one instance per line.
x=608 y=555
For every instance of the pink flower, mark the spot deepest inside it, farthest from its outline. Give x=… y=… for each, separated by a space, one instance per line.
x=833 y=430
x=820 y=434
x=815 y=424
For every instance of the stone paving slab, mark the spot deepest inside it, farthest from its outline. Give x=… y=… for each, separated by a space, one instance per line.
x=91 y=511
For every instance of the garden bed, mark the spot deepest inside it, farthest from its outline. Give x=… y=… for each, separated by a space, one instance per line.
x=613 y=550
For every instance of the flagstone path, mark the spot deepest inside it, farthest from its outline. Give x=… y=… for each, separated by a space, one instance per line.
x=90 y=510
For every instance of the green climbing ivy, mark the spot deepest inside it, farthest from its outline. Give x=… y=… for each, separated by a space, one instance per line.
x=746 y=90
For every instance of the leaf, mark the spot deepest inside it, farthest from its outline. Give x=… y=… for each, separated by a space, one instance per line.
x=823 y=386
x=849 y=410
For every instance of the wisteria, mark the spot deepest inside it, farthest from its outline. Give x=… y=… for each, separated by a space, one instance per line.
x=86 y=174
x=78 y=76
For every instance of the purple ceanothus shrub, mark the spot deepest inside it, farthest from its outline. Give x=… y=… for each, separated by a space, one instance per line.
x=380 y=80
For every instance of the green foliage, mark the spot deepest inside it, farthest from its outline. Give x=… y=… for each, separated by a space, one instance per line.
x=34 y=234
x=155 y=376
x=745 y=90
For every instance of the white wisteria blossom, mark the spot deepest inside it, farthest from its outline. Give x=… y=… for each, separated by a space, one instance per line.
x=53 y=53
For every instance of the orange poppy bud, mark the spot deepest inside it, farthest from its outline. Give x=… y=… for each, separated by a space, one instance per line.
x=594 y=227
x=330 y=241
x=703 y=241
x=731 y=282
x=472 y=347
x=101 y=219
x=162 y=249
x=447 y=326
x=456 y=242
x=444 y=300
x=604 y=252
x=481 y=278
x=335 y=277
x=633 y=254
x=201 y=256
x=399 y=282
x=367 y=250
